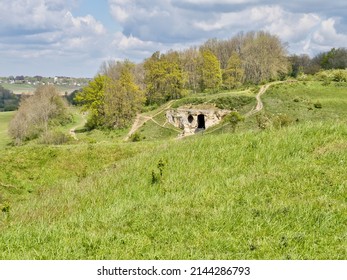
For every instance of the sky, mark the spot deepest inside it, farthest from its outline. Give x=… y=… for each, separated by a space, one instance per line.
x=73 y=37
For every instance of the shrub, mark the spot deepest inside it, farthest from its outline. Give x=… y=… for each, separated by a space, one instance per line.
x=339 y=75
x=281 y=120
x=273 y=121
x=53 y=138
x=136 y=137
x=317 y=105
x=233 y=119
x=37 y=113
x=263 y=121
x=157 y=176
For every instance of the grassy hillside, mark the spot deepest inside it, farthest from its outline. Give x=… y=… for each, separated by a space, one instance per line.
x=271 y=195
x=255 y=194
x=308 y=101
x=5 y=118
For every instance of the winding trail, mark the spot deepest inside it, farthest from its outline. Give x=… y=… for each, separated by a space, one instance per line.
x=72 y=131
x=141 y=119
x=260 y=104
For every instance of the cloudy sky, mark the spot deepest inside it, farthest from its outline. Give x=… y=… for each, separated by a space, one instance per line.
x=73 y=37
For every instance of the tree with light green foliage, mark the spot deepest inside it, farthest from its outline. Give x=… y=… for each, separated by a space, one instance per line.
x=233 y=119
x=164 y=78
x=123 y=98
x=234 y=73
x=112 y=102
x=92 y=99
x=211 y=74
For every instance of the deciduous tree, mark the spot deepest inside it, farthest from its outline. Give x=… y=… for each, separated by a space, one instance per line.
x=113 y=99
x=233 y=75
x=164 y=77
x=264 y=57
x=38 y=113
x=211 y=75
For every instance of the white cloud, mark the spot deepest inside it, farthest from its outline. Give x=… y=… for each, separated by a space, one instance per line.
x=82 y=25
x=123 y=42
x=49 y=30
x=327 y=34
x=38 y=24
x=306 y=27
x=119 y=13
x=218 y=2
x=290 y=27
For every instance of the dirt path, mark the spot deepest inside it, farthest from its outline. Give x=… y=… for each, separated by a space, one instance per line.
x=72 y=131
x=260 y=104
x=141 y=119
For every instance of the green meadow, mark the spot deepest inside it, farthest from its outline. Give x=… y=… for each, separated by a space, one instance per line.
x=272 y=192
x=5 y=118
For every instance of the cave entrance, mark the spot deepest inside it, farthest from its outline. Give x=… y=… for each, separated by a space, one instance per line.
x=190 y=119
x=201 y=121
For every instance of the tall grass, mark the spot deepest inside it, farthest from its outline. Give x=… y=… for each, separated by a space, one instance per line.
x=5 y=118
x=277 y=194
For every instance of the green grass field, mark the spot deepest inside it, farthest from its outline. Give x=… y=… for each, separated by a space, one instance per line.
x=26 y=88
x=278 y=193
x=5 y=118
x=299 y=99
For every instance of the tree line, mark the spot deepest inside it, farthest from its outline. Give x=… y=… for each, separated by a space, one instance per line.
x=333 y=59
x=122 y=88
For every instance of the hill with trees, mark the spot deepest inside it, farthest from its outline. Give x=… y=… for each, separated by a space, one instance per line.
x=246 y=59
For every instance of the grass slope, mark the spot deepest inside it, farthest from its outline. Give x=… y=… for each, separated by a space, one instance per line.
x=5 y=118
x=271 y=195
x=299 y=101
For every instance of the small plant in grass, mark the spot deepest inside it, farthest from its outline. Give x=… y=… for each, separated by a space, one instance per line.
x=82 y=174
x=233 y=119
x=135 y=137
x=326 y=82
x=5 y=209
x=263 y=121
x=281 y=120
x=158 y=174
x=317 y=105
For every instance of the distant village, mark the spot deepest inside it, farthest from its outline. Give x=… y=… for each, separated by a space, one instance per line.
x=13 y=88
x=39 y=80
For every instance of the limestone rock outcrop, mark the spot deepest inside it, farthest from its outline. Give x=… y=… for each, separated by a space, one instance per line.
x=193 y=120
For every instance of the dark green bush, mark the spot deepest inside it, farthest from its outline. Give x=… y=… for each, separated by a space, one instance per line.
x=136 y=137
x=317 y=105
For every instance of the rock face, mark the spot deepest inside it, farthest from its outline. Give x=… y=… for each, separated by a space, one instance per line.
x=194 y=120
